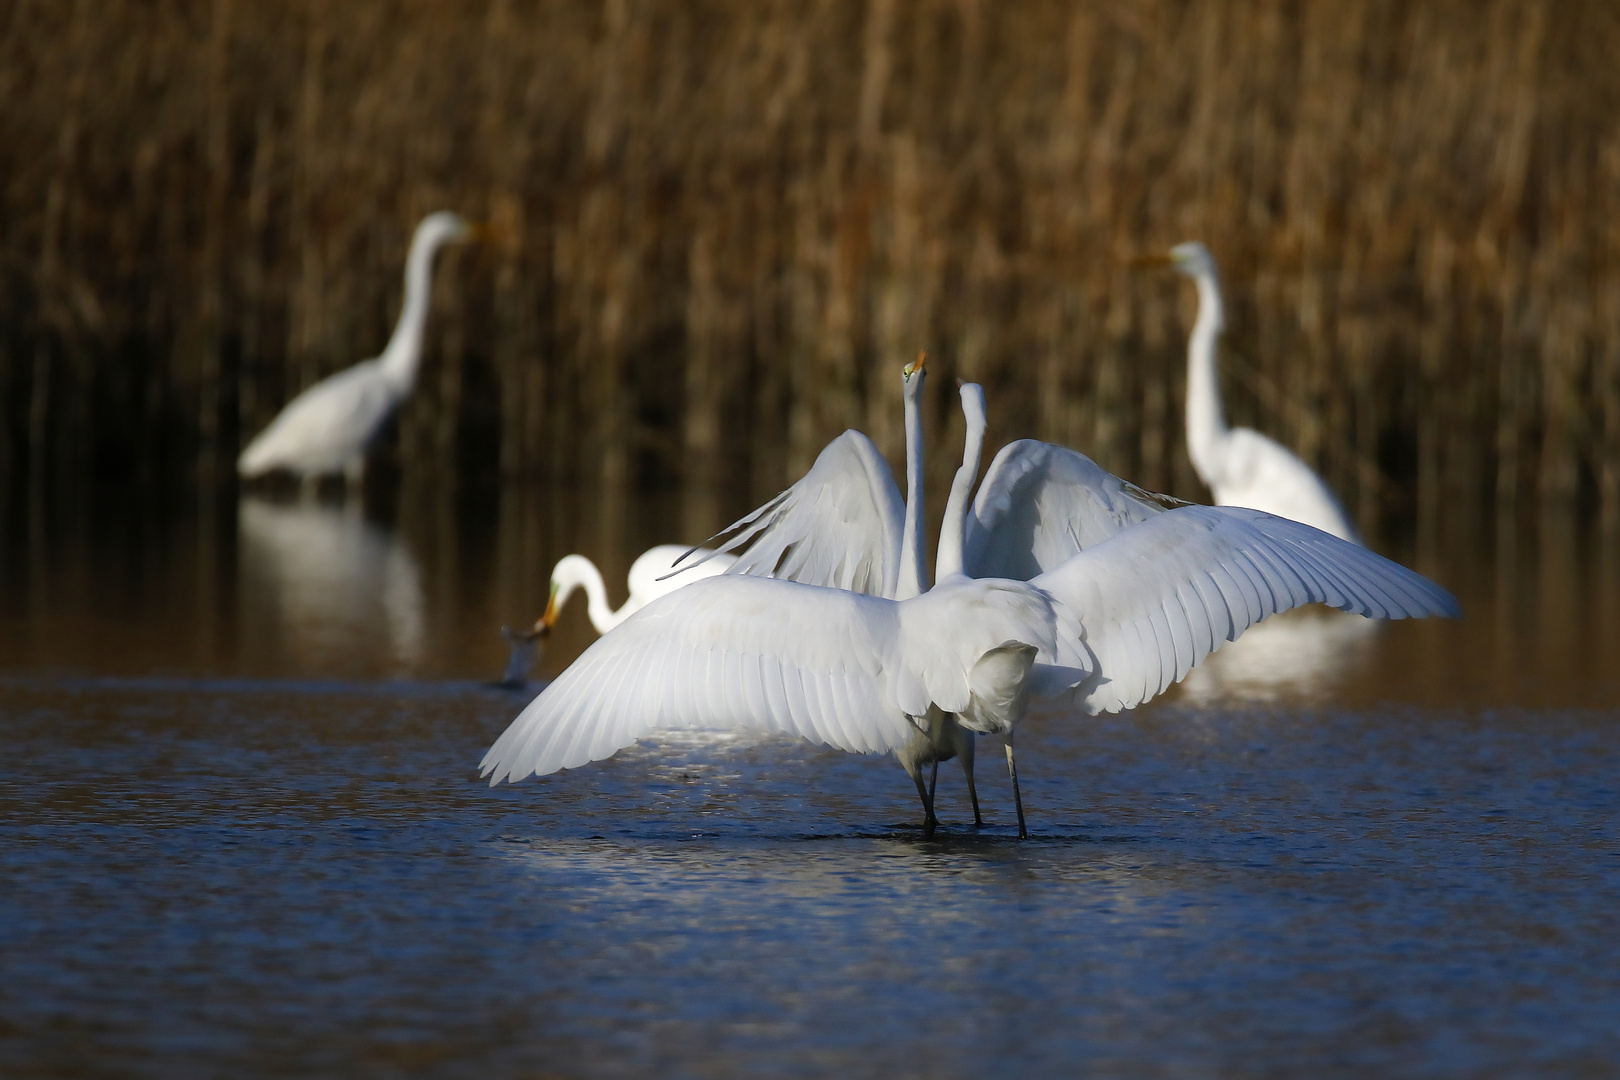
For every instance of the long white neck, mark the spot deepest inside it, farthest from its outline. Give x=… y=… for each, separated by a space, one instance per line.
x=577 y=572
x=913 y=580
x=404 y=351
x=1206 y=422
x=948 y=562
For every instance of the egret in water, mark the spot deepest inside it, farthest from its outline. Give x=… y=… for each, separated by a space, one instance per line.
x=328 y=428
x=1241 y=466
x=652 y=575
x=843 y=525
x=1106 y=629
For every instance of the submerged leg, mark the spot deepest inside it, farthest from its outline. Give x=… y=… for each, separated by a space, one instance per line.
x=965 y=741
x=1018 y=800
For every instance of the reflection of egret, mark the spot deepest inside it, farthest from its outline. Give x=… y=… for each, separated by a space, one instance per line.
x=1109 y=628
x=328 y=427
x=333 y=578
x=1241 y=466
x=1288 y=656
x=652 y=575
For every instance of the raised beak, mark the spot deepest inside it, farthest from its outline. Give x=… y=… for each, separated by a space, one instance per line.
x=916 y=365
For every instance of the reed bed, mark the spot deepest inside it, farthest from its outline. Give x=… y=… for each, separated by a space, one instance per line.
x=727 y=224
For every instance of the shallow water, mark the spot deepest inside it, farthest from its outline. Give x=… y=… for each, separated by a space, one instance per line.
x=241 y=833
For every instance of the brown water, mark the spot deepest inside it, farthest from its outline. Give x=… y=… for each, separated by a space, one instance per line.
x=241 y=832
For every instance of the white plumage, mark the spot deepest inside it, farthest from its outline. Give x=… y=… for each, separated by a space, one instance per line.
x=329 y=426
x=1241 y=466
x=653 y=574
x=1154 y=591
x=1111 y=627
x=829 y=665
x=841 y=525
x=1155 y=599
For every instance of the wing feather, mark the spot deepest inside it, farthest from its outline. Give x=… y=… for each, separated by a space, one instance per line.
x=817 y=658
x=1040 y=504
x=1156 y=599
x=838 y=526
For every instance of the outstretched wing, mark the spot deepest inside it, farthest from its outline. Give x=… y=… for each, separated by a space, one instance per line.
x=723 y=652
x=1040 y=504
x=1156 y=599
x=839 y=526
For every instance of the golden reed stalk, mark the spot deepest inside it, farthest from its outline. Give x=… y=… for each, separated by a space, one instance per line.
x=728 y=223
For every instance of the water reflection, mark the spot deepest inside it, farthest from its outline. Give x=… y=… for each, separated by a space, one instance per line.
x=320 y=578
x=132 y=585
x=1301 y=654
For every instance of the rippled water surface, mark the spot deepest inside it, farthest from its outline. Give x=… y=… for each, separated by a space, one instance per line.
x=241 y=833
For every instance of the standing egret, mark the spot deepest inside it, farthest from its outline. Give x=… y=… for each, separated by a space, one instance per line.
x=329 y=426
x=843 y=525
x=1106 y=629
x=1241 y=466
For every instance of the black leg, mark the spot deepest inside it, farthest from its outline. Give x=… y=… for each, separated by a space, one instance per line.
x=965 y=743
x=1018 y=800
x=928 y=805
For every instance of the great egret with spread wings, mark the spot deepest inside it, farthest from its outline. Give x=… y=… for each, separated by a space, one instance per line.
x=328 y=428
x=843 y=525
x=1106 y=629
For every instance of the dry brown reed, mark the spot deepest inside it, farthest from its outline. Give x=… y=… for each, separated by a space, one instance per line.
x=728 y=224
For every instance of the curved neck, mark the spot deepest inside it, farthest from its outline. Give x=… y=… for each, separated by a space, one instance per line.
x=913 y=580
x=404 y=349
x=578 y=572
x=1206 y=423
x=948 y=563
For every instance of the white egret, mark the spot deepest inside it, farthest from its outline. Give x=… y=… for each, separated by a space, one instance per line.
x=1241 y=466
x=328 y=428
x=652 y=575
x=843 y=525
x=1108 y=628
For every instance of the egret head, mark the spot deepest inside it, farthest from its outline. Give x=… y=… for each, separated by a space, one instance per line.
x=1192 y=259
x=913 y=374
x=446 y=229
